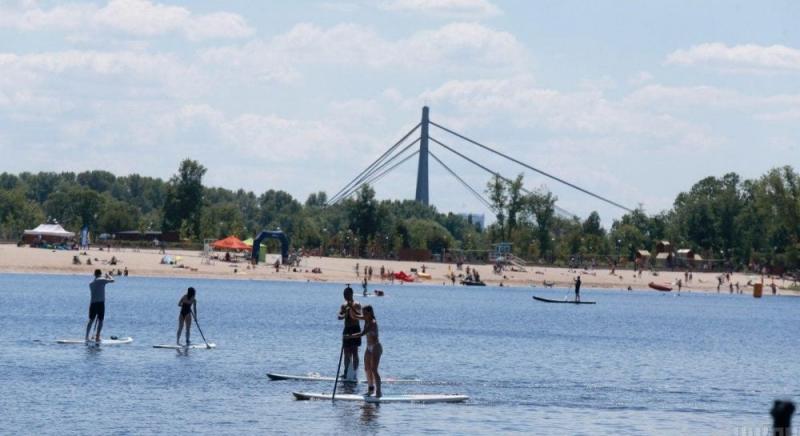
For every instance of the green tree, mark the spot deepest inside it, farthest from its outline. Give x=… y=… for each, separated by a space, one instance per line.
x=183 y=205
x=74 y=206
x=541 y=206
x=363 y=215
x=117 y=216
x=17 y=213
x=497 y=190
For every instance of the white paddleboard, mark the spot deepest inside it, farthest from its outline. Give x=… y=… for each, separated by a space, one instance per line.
x=319 y=378
x=92 y=343
x=185 y=347
x=418 y=398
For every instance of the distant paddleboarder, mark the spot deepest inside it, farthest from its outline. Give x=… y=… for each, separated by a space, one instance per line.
x=97 y=305
x=350 y=312
x=372 y=356
x=188 y=305
x=578 y=288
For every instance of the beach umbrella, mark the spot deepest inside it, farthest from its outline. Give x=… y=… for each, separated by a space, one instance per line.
x=230 y=243
x=249 y=243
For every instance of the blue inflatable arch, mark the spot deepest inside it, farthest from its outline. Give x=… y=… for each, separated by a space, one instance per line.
x=274 y=235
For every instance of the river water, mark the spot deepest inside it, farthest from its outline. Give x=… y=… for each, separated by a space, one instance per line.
x=634 y=363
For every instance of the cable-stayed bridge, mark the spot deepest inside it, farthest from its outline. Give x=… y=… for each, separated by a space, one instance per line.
x=404 y=150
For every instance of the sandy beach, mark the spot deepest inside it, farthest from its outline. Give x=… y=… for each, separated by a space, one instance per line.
x=147 y=262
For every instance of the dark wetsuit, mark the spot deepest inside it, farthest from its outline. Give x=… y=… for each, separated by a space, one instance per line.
x=186 y=308
x=97 y=309
x=578 y=288
x=97 y=306
x=351 y=326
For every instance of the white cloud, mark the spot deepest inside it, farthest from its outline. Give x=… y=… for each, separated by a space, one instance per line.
x=661 y=96
x=141 y=18
x=130 y=72
x=461 y=8
x=453 y=46
x=641 y=78
x=791 y=115
x=479 y=102
x=751 y=58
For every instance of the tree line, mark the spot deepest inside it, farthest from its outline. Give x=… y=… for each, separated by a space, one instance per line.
x=740 y=222
x=734 y=222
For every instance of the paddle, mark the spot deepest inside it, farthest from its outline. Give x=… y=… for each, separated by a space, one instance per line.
x=201 y=332
x=338 y=368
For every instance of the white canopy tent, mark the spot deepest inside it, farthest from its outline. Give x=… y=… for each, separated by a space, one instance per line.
x=49 y=230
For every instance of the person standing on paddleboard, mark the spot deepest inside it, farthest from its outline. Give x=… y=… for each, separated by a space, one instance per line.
x=578 y=288
x=372 y=355
x=97 y=304
x=188 y=306
x=350 y=312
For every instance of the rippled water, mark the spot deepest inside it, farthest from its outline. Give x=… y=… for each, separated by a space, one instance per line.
x=641 y=362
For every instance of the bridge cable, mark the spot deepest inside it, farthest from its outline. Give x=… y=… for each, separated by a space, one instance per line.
x=361 y=176
x=373 y=171
x=563 y=212
x=599 y=197
x=466 y=185
x=381 y=175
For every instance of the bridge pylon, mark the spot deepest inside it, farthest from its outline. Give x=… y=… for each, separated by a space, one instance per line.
x=422 y=167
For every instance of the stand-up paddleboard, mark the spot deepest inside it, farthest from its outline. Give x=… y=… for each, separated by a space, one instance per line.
x=547 y=300
x=92 y=343
x=186 y=347
x=418 y=398
x=319 y=378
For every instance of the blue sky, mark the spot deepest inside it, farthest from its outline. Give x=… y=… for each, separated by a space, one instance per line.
x=633 y=100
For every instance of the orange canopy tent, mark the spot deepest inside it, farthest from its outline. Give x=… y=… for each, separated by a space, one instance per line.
x=230 y=243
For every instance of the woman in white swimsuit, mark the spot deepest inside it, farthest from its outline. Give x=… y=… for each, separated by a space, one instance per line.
x=372 y=355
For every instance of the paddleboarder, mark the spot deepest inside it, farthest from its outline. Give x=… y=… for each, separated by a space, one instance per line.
x=97 y=304
x=372 y=355
x=578 y=288
x=350 y=312
x=188 y=305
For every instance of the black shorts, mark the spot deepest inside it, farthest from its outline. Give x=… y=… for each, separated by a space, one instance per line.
x=351 y=342
x=98 y=310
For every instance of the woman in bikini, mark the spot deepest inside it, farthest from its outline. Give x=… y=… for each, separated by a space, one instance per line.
x=372 y=355
x=188 y=306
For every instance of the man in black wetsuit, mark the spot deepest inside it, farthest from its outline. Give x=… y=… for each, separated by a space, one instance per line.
x=350 y=312
x=97 y=305
x=578 y=288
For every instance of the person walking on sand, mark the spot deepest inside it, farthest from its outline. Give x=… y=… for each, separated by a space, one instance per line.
x=97 y=304
x=578 y=288
x=350 y=312
x=372 y=355
x=188 y=304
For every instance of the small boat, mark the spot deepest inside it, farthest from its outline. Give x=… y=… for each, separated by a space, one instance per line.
x=548 y=283
x=472 y=283
x=424 y=276
x=402 y=276
x=547 y=300
x=658 y=287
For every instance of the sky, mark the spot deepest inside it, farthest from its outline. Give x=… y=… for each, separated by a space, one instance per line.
x=635 y=101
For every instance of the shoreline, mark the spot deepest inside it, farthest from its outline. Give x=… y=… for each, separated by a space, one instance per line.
x=146 y=263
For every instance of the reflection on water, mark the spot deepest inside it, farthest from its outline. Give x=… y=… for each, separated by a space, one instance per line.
x=369 y=413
